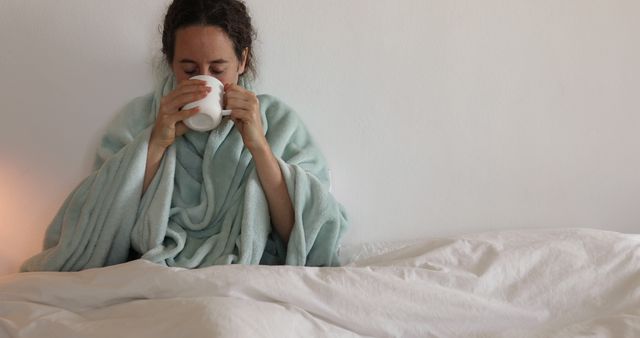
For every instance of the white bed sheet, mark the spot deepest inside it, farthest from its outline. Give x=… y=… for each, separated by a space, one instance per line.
x=534 y=283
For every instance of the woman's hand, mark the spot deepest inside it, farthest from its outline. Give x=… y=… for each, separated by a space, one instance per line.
x=245 y=113
x=169 y=123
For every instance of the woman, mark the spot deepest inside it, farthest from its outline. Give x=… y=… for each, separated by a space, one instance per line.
x=253 y=191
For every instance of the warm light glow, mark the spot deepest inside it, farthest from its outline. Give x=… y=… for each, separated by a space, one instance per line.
x=26 y=210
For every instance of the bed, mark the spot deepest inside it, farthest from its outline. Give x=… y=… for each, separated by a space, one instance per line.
x=518 y=283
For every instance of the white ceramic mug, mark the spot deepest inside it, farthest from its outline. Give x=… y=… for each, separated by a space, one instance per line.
x=211 y=112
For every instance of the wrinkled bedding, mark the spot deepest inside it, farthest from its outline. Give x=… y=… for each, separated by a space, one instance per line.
x=526 y=283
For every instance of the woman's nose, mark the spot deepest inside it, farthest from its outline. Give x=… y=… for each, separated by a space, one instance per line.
x=204 y=70
x=206 y=73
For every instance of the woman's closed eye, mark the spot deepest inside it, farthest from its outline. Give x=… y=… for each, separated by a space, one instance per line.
x=196 y=72
x=191 y=72
x=216 y=71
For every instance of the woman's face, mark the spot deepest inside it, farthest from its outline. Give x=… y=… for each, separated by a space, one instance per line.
x=206 y=50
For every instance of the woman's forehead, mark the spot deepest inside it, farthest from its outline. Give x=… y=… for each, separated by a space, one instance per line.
x=203 y=44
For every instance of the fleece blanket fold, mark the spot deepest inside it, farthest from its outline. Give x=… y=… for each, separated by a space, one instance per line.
x=205 y=205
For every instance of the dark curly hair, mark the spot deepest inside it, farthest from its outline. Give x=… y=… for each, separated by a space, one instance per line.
x=231 y=16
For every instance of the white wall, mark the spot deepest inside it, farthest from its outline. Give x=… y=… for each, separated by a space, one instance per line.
x=437 y=117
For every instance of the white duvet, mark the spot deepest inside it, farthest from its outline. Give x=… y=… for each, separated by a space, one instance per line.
x=536 y=283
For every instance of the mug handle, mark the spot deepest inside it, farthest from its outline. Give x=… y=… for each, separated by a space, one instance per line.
x=226 y=112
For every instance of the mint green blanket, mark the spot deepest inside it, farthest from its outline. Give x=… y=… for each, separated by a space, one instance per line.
x=205 y=205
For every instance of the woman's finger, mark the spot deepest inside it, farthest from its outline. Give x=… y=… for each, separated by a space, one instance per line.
x=186 y=87
x=242 y=115
x=236 y=103
x=232 y=87
x=239 y=97
x=179 y=101
x=184 y=114
x=251 y=105
x=181 y=129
